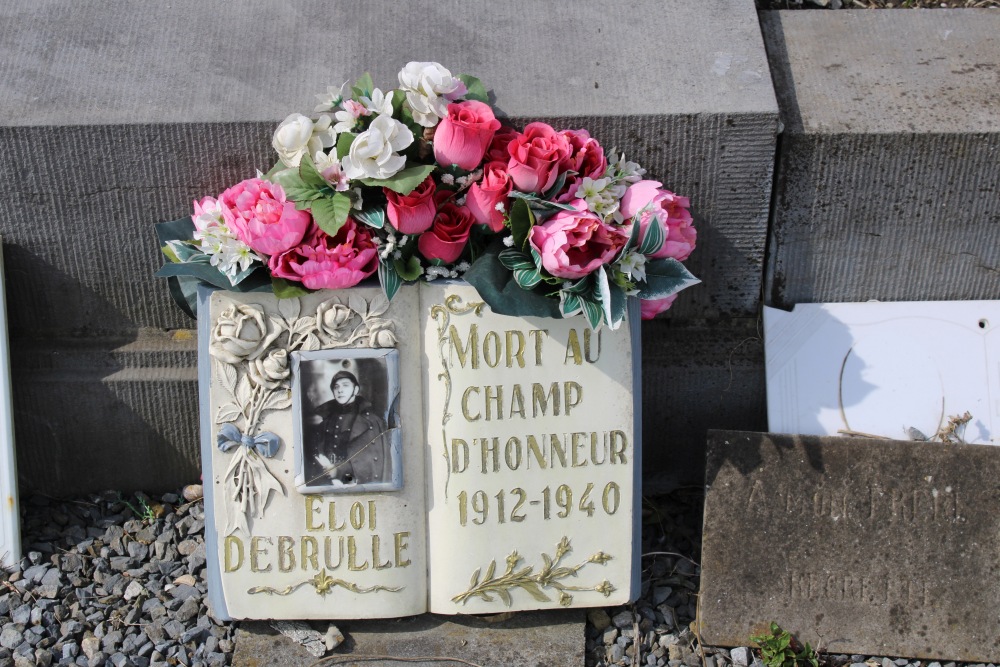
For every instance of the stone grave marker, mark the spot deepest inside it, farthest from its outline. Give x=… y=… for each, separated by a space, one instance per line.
x=368 y=459
x=10 y=537
x=857 y=546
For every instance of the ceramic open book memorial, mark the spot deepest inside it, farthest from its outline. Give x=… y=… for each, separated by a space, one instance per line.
x=461 y=436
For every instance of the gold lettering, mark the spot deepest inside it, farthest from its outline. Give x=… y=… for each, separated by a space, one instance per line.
x=230 y=542
x=286 y=557
x=357 y=515
x=512 y=453
x=256 y=551
x=470 y=350
x=333 y=518
x=618 y=444
x=534 y=448
x=311 y=502
x=517 y=401
x=513 y=354
x=494 y=399
x=327 y=549
x=537 y=335
x=540 y=400
x=400 y=547
x=459 y=446
x=371 y=515
x=593 y=450
x=491 y=343
x=352 y=556
x=558 y=449
x=376 y=543
x=586 y=346
x=577 y=440
x=465 y=405
x=309 y=553
x=568 y=388
x=489 y=447
x=573 y=348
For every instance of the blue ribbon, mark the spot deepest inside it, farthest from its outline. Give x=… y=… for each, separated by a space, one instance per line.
x=266 y=444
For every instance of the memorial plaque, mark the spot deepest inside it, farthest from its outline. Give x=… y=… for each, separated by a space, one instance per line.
x=863 y=546
x=10 y=535
x=368 y=459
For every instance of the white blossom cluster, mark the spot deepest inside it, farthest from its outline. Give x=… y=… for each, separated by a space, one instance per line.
x=226 y=252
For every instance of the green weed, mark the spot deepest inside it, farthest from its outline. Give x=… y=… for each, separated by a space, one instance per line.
x=780 y=649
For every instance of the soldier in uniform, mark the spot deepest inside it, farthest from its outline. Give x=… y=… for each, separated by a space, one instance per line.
x=352 y=440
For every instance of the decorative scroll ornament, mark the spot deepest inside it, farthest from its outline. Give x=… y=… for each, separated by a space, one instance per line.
x=442 y=313
x=550 y=576
x=250 y=350
x=323 y=584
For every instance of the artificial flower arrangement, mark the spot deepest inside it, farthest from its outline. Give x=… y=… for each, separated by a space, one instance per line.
x=425 y=182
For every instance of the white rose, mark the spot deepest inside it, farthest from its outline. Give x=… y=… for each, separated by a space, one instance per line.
x=298 y=135
x=429 y=88
x=374 y=153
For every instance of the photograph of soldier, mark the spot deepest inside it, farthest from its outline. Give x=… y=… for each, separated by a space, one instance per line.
x=346 y=440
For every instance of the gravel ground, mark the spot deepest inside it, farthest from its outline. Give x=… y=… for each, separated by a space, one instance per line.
x=876 y=4
x=119 y=582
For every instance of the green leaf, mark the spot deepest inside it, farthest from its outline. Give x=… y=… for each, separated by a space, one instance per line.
x=278 y=166
x=389 y=279
x=569 y=304
x=497 y=287
x=330 y=213
x=295 y=188
x=619 y=303
x=170 y=253
x=633 y=238
x=538 y=204
x=398 y=97
x=475 y=87
x=364 y=86
x=286 y=289
x=557 y=186
x=512 y=258
x=181 y=229
x=603 y=293
x=403 y=181
x=652 y=241
x=409 y=270
x=521 y=222
x=527 y=278
x=309 y=175
x=664 y=277
x=211 y=275
x=344 y=141
x=373 y=217
x=593 y=312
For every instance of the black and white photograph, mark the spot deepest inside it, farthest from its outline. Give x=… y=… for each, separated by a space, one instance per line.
x=347 y=423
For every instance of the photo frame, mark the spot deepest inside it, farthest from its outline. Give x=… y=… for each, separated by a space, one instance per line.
x=345 y=411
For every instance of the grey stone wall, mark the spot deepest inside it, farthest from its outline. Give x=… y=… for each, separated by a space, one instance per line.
x=112 y=119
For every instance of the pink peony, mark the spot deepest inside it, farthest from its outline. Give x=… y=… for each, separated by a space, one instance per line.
x=463 y=136
x=535 y=157
x=412 y=213
x=650 y=308
x=256 y=211
x=484 y=196
x=331 y=262
x=587 y=160
x=670 y=210
x=572 y=244
x=497 y=152
x=446 y=238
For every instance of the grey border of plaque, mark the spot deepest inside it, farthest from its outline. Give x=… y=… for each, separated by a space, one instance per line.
x=391 y=358
x=635 y=331
x=10 y=529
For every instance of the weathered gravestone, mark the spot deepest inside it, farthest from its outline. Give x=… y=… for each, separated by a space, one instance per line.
x=863 y=546
x=367 y=459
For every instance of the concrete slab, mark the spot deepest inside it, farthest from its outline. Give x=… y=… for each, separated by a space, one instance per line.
x=888 y=172
x=114 y=120
x=873 y=547
x=526 y=639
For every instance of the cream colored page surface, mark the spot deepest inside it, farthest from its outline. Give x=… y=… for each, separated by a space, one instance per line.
x=318 y=548
x=530 y=458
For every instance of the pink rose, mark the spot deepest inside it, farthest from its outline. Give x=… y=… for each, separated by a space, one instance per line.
x=257 y=212
x=497 y=152
x=448 y=235
x=412 y=213
x=535 y=157
x=487 y=193
x=572 y=244
x=669 y=210
x=650 y=308
x=587 y=160
x=463 y=136
x=331 y=262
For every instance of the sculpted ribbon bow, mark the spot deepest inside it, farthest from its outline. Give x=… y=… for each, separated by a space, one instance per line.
x=266 y=444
